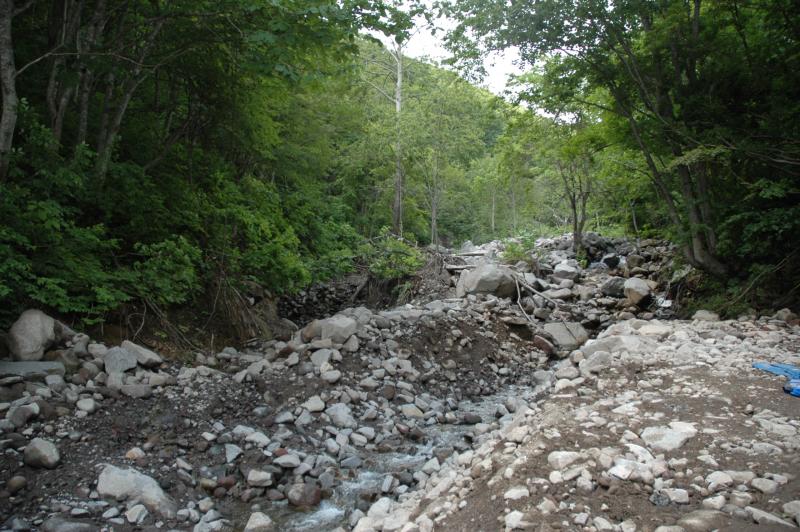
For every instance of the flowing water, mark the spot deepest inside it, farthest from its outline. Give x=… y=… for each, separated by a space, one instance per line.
x=334 y=511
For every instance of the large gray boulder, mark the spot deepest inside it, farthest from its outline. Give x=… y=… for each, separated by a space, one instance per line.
x=636 y=290
x=567 y=269
x=119 y=360
x=119 y=483
x=338 y=328
x=614 y=287
x=568 y=336
x=33 y=333
x=487 y=278
x=144 y=356
x=624 y=343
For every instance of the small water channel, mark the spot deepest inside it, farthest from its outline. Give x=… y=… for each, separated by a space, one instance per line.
x=335 y=511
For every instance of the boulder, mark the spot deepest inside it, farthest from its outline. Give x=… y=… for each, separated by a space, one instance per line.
x=122 y=483
x=119 y=360
x=634 y=260
x=144 y=356
x=705 y=315
x=41 y=453
x=595 y=363
x=636 y=290
x=614 y=287
x=567 y=336
x=567 y=270
x=611 y=260
x=487 y=278
x=33 y=333
x=338 y=328
x=631 y=344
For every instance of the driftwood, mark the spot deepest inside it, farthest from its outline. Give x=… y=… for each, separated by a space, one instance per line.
x=458 y=267
x=533 y=290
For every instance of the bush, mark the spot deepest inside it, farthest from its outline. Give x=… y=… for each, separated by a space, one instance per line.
x=389 y=257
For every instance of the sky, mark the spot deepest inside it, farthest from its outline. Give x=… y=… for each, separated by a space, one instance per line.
x=498 y=66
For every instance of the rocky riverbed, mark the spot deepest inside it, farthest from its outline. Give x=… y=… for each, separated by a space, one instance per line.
x=538 y=396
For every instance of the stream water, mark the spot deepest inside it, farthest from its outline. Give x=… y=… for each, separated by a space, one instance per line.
x=334 y=511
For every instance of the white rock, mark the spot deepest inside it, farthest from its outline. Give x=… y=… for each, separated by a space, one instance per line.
x=258 y=522
x=514 y=520
x=516 y=493
x=289 y=461
x=119 y=483
x=665 y=439
x=259 y=479
x=144 y=356
x=338 y=328
x=341 y=415
x=41 y=453
x=137 y=514
x=232 y=452
x=32 y=333
x=765 y=485
x=765 y=518
x=314 y=404
x=562 y=459
x=636 y=290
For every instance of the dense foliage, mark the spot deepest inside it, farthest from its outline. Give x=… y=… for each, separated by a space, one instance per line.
x=163 y=151
x=700 y=98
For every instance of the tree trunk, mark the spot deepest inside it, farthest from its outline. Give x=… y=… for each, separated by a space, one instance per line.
x=703 y=257
x=399 y=185
x=494 y=204
x=513 y=210
x=8 y=86
x=114 y=124
x=434 y=223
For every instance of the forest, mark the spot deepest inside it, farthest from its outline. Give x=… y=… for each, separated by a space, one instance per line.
x=168 y=154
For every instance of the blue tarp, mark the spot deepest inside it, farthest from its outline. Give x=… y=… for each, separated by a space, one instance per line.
x=792 y=386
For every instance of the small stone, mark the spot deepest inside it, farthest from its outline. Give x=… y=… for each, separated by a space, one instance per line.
x=135 y=454
x=314 y=404
x=412 y=411
x=714 y=503
x=232 y=452
x=259 y=479
x=516 y=493
x=765 y=485
x=288 y=461
x=16 y=483
x=258 y=522
x=331 y=376
x=562 y=459
x=137 y=514
x=41 y=453
x=88 y=405
x=514 y=520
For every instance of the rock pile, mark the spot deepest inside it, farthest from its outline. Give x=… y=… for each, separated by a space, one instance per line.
x=405 y=419
x=653 y=426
